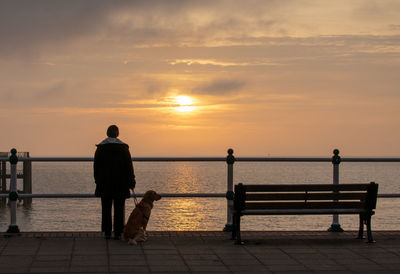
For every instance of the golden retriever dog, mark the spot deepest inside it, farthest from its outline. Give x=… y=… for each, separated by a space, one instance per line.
x=135 y=228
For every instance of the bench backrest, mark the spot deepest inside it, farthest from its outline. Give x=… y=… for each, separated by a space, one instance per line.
x=307 y=196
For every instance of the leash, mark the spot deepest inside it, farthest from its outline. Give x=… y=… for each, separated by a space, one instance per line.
x=134 y=197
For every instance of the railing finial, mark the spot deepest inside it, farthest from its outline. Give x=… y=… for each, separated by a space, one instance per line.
x=13 y=158
x=230 y=159
x=336 y=158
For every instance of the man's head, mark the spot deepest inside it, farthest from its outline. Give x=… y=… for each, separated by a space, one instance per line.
x=112 y=131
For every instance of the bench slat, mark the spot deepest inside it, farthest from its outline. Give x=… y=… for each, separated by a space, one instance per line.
x=302 y=211
x=299 y=205
x=308 y=187
x=306 y=196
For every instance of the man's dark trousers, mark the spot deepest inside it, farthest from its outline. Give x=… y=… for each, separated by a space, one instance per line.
x=119 y=215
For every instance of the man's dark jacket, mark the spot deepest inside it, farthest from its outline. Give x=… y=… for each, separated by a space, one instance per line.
x=113 y=169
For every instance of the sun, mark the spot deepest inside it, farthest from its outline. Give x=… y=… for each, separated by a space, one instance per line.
x=185 y=103
x=183 y=100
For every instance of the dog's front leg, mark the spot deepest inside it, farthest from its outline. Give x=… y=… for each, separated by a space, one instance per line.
x=141 y=236
x=144 y=228
x=132 y=241
x=145 y=222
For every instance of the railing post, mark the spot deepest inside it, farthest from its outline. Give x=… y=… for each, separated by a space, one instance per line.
x=335 y=226
x=13 y=195
x=27 y=180
x=230 y=160
x=3 y=201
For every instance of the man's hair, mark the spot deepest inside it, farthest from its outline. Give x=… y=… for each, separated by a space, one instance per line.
x=113 y=131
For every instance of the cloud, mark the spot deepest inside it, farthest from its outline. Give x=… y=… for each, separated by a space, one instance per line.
x=220 y=87
x=371 y=10
x=214 y=62
x=34 y=27
x=190 y=62
x=221 y=37
x=27 y=25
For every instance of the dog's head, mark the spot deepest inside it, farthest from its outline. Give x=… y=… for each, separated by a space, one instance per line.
x=151 y=195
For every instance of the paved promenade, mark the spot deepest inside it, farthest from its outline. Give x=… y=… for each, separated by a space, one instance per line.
x=201 y=252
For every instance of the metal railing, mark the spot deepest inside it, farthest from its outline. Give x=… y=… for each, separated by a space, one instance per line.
x=13 y=195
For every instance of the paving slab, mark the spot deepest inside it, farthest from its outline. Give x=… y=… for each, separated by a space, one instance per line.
x=200 y=252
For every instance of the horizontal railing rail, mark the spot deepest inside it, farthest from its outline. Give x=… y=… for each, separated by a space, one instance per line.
x=135 y=159
x=87 y=195
x=167 y=195
x=389 y=195
x=211 y=159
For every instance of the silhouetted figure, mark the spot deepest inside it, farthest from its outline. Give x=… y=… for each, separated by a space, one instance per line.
x=114 y=176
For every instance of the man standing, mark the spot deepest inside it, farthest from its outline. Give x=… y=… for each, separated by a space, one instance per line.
x=114 y=176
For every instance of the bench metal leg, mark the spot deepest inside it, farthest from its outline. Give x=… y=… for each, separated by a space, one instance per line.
x=369 y=233
x=233 y=227
x=361 y=228
x=237 y=225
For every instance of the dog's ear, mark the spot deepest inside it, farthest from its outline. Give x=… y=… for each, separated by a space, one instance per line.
x=148 y=195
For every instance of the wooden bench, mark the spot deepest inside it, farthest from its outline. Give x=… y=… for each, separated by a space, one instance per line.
x=305 y=199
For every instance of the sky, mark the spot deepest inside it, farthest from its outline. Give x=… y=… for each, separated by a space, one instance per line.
x=194 y=78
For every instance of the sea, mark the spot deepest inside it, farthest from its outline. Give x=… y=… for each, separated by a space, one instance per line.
x=198 y=214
